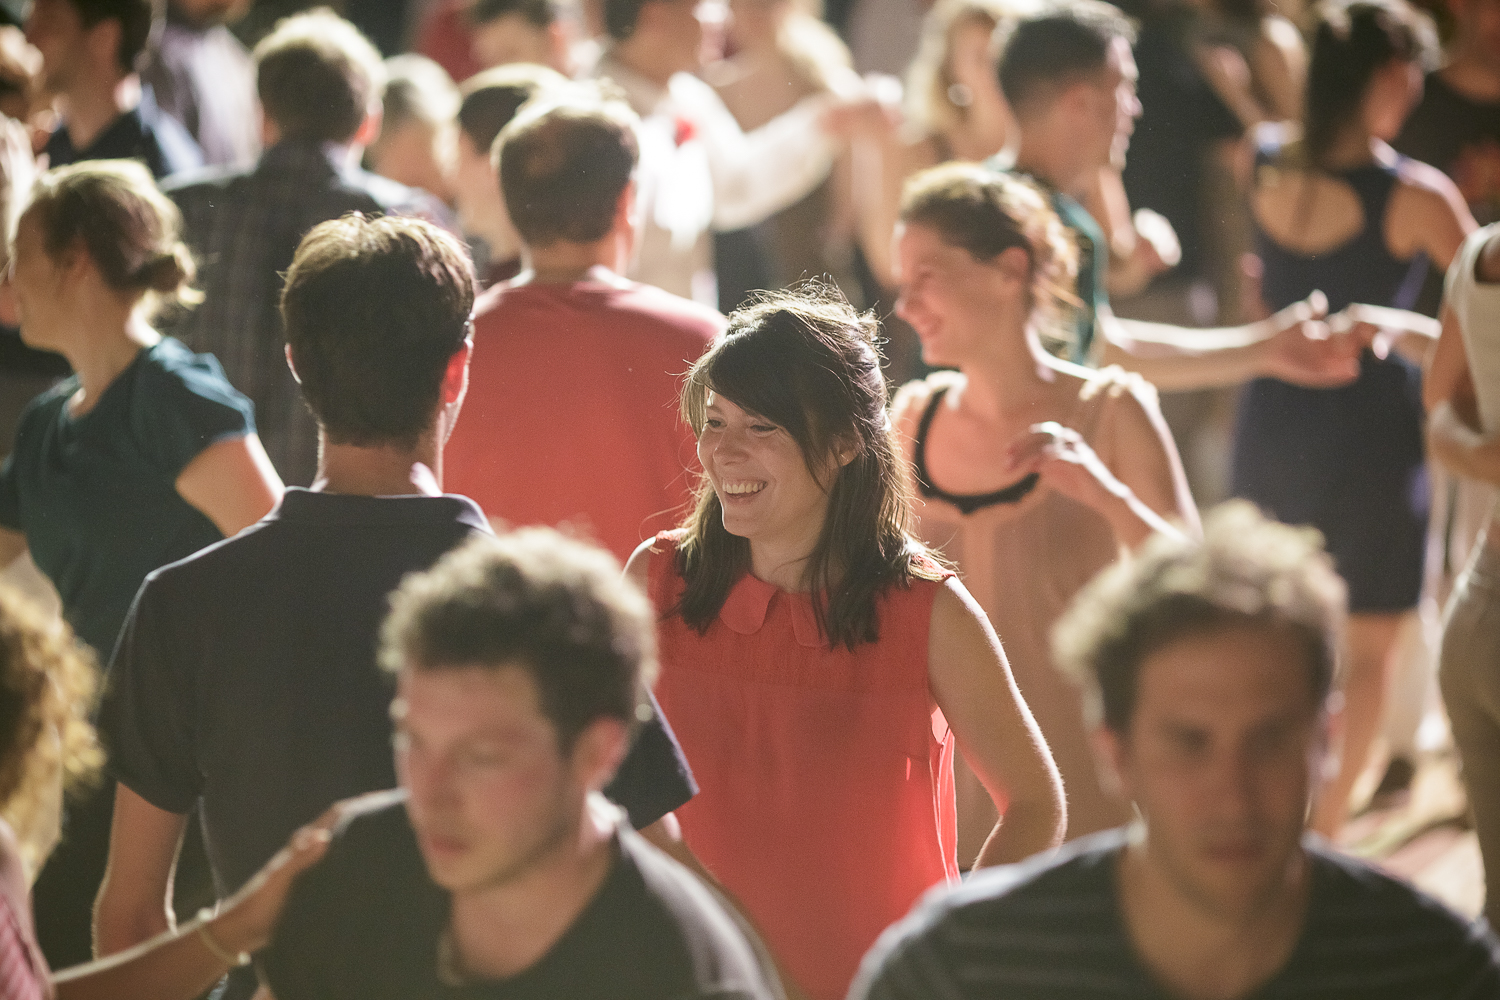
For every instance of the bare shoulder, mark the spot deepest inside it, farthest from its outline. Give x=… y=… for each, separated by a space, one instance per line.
x=1281 y=34
x=913 y=397
x=638 y=566
x=1121 y=392
x=1424 y=181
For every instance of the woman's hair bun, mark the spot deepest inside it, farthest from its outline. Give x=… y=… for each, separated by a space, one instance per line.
x=168 y=272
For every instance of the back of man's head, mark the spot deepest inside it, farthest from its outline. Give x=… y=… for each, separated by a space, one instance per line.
x=541 y=14
x=557 y=607
x=563 y=163
x=492 y=98
x=1246 y=571
x=318 y=77
x=620 y=17
x=137 y=19
x=375 y=310
x=1043 y=53
x=416 y=91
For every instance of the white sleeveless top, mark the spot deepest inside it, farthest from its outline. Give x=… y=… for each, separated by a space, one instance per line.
x=1476 y=305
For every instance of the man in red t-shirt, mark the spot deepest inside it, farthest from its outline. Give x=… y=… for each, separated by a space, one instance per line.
x=571 y=416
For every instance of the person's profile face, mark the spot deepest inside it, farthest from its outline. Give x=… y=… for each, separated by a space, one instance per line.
x=1219 y=758
x=1114 y=106
x=56 y=30
x=491 y=794
x=37 y=284
x=1479 y=30
x=950 y=299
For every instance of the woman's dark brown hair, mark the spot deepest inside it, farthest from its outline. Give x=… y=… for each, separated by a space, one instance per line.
x=1351 y=42
x=807 y=362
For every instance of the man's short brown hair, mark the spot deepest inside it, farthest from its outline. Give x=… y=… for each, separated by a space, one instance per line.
x=1247 y=570
x=492 y=97
x=317 y=76
x=557 y=607
x=374 y=311
x=137 y=19
x=563 y=164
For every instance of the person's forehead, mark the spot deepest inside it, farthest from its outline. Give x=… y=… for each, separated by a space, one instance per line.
x=1119 y=62
x=1233 y=675
x=467 y=699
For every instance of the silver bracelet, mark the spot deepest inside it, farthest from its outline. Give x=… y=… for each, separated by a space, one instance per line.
x=231 y=959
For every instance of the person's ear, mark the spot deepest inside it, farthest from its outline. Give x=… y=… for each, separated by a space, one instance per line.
x=292 y=365
x=456 y=376
x=1015 y=263
x=597 y=752
x=560 y=47
x=369 y=129
x=1111 y=753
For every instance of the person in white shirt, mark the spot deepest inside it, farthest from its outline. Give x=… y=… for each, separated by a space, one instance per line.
x=698 y=170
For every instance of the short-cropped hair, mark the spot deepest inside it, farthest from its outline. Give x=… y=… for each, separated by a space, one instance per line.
x=137 y=20
x=1046 y=51
x=374 y=310
x=538 y=13
x=534 y=598
x=317 y=76
x=491 y=99
x=563 y=164
x=620 y=17
x=416 y=90
x=1247 y=571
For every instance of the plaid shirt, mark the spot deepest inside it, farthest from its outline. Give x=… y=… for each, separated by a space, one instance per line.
x=243 y=228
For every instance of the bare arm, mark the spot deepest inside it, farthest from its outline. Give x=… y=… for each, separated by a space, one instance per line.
x=134 y=902
x=1453 y=433
x=1293 y=345
x=12 y=546
x=232 y=483
x=972 y=683
x=180 y=964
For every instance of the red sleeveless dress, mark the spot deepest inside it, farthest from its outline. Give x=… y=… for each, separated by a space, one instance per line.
x=825 y=776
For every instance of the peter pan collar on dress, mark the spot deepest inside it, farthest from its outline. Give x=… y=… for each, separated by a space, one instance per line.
x=749 y=601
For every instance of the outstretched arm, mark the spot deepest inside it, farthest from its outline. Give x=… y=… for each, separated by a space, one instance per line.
x=1293 y=345
x=183 y=963
x=1453 y=433
x=971 y=682
x=135 y=897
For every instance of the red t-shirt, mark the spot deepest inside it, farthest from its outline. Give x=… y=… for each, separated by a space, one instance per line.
x=571 y=415
x=444 y=38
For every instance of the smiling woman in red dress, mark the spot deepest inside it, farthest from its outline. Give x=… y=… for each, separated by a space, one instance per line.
x=814 y=655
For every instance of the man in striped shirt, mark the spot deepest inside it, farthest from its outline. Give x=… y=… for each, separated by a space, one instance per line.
x=1208 y=668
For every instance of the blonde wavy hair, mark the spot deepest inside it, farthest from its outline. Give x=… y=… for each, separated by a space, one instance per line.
x=47 y=684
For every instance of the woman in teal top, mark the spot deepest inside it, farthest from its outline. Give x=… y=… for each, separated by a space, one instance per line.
x=145 y=455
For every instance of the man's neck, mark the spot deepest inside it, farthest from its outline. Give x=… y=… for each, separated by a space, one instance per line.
x=1198 y=953
x=89 y=110
x=563 y=263
x=380 y=470
x=1473 y=77
x=501 y=931
x=1053 y=160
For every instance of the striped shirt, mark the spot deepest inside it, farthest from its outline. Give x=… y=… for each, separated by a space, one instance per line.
x=1051 y=929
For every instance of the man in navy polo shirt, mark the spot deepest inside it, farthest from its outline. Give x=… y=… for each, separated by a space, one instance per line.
x=245 y=678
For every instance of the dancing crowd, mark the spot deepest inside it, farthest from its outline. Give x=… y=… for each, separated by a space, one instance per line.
x=680 y=513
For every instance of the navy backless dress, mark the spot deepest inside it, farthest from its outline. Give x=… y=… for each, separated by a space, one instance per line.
x=1348 y=461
